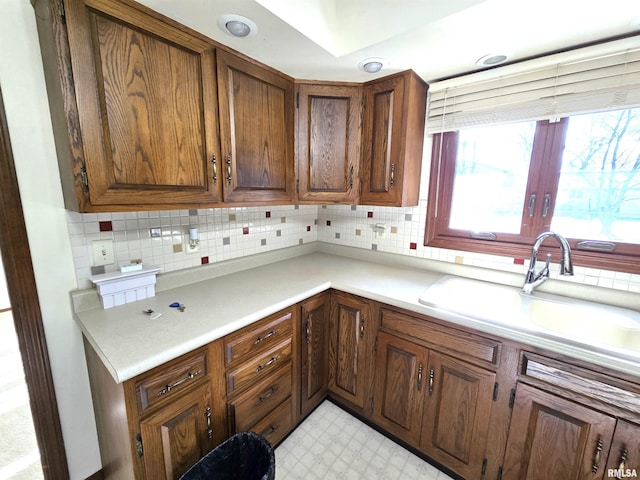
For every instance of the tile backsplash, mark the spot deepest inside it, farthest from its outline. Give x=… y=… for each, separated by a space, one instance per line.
x=227 y=233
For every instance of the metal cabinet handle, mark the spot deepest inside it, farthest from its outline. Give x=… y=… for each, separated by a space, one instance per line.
x=207 y=414
x=532 y=204
x=168 y=388
x=598 y=454
x=623 y=458
x=270 y=362
x=393 y=174
x=308 y=329
x=229 y=169
x=420 y=377
x=351 y=177
x=546 y=204
x=261 y=339
x=215 y=169
x=272 y=429
x=270 y=392
x=431 y=375
x=361 y=327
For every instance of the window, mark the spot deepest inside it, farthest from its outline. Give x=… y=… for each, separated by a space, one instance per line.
x=493 y=189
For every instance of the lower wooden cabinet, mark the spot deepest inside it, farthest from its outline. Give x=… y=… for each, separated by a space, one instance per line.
x=457 y=414
x=401 y=387
x=260 y=359
x=177 y=436
x=159 y=423
x=552 y=437
x=351 y=339
x=624 y=456
x=434 y=402
x=314 y=333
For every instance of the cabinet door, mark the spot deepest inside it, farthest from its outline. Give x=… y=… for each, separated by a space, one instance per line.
x=456 y=418
x=348 y=333
x=551 y=437
x=401 y=384
x=178 y=435
x=392 y=140
x=147 y=108
x=328 y=143
x=624 y=455
x=314 y=330
x=256 y=128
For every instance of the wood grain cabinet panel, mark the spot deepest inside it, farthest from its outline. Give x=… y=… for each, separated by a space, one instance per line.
x=551 y=437
x=401 y=386
x=350 y=330
x=624 y=455
x=457 y=413
x=314 y=334
x=256 y=127
x=328 y=142
x=175 y=438
x=147 y=108
x=392 y=140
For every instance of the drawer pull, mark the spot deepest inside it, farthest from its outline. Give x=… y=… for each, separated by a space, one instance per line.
x=420 y=377
x=168 y=388
x=362 y=327
x=308 y=329
x=270 y=392
x=229 y=169
x=623 y=458
x=262 y=339
x=270 y=362
x=431 y=375
x=596 y=459
x=207 y=414
x=272 y=429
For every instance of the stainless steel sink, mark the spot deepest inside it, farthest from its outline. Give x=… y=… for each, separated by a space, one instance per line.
x=576 y=320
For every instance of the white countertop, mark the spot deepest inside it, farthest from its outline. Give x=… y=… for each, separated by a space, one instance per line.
x=129 y=342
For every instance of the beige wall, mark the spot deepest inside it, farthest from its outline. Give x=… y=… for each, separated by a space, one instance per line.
x=23 y=89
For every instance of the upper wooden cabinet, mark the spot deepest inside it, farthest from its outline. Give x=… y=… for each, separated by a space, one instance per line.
x=256 y=126
x=328 y=142
x=146 y=109
x=392 y=139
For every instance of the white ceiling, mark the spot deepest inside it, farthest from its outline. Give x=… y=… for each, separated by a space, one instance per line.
x=327 y=39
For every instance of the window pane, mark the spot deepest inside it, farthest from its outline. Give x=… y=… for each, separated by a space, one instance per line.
x=599 y=191
x=490 y=179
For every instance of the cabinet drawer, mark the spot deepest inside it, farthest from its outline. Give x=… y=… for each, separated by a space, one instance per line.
x=169 y=380
x=257 y=402
x=270 y=331
x=278 y=424
x=472 y=347
x=259 y=367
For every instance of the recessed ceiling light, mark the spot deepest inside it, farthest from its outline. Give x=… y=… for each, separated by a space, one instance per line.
x=237 y=25
x=491 y=59
x=373 y=65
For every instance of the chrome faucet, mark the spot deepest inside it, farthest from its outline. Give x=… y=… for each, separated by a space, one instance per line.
x=534 y=279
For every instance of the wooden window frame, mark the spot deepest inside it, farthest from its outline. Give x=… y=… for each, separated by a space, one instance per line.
x=544 y=174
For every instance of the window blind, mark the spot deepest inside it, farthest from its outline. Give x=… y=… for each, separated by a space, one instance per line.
x=590 y=79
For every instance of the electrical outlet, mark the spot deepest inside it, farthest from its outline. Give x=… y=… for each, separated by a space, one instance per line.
x=103 y=252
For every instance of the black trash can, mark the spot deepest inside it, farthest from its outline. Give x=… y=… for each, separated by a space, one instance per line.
x=244 y=456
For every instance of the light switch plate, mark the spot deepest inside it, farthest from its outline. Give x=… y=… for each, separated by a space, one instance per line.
x=103 y=252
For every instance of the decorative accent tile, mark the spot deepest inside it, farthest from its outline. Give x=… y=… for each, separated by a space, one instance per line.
x=337 y=235
x=369 y=214
x=278 y=233
x=193 y=212
x=232 y=217
x=106 y=226
x=374 y=247
x=177 y=247
x=308 y=228
x=267 y=214
x=263 y=242
x=204 y=260
x=245 y=230
x=226 y=241
x=407 y=217
x=459 y=260
x=518 y=261
x=394 y=229
x=413 y=246
x=283 y=219
x=353 y=208
x=328 y=223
